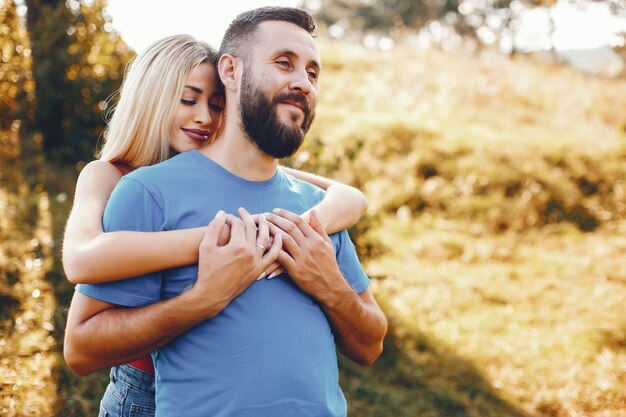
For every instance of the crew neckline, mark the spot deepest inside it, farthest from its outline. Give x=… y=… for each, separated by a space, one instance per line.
x=217 y=169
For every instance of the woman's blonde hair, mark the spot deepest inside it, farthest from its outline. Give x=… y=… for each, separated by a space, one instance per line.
x=138 y=131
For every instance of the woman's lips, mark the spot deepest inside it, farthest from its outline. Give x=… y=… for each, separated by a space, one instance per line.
x=197 y=134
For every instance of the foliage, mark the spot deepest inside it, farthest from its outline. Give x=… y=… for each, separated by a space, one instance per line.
x=16 y=83
x=450 y=24
x=28 y=356
x=379 y=15
x=491 y=148
x=78 y=61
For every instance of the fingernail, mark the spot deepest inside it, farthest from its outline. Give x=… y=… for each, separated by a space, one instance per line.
x=275 y=210
x=272 y=275
x=220 y=214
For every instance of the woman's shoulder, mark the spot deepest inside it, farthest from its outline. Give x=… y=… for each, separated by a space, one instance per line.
x=99 y=170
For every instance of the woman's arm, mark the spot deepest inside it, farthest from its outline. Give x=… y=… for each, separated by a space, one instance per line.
x=92 y=256
x=342 y=205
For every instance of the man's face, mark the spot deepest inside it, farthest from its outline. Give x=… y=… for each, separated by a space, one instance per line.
x=279 y=88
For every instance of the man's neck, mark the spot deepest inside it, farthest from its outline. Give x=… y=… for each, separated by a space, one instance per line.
x=237 y=154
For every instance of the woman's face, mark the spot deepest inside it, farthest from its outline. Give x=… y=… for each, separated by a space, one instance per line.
x=199 y=112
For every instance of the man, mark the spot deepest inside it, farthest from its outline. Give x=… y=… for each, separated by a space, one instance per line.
x=246 y=347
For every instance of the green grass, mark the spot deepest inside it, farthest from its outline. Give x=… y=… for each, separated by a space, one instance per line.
x=497 y=205
x=541 y=313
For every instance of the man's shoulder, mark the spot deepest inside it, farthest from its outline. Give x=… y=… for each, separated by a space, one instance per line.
x=302 y=187
x=152 y=175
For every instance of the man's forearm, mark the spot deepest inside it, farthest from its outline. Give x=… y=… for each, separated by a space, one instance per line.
x=358 y=324
x=309 y=257
x=113 y=335
x=100 y=334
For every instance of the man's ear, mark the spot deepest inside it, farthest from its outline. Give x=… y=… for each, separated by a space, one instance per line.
x=227 y=68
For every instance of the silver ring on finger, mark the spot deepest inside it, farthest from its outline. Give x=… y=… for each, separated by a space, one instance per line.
x=260 y=246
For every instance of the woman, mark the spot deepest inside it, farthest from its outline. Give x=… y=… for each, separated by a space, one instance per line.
x=171 y=82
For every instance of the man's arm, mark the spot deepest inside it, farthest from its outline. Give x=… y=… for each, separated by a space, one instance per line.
x=101 y=334
x=309 y=257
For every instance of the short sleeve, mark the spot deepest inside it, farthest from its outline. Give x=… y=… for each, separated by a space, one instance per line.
x=132 y=208
x=348 y=261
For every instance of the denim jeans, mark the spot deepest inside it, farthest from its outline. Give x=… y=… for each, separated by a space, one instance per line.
x=130 y=393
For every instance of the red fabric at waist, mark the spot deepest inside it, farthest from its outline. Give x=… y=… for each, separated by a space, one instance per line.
x=143 y=364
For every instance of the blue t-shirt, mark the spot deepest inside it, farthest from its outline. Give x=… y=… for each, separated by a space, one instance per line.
x=271 y=351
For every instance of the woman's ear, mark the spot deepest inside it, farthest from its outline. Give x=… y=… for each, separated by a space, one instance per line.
x=227 y=68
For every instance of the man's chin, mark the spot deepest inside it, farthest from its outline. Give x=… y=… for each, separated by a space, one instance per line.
x=291 y=119
x=283 y=151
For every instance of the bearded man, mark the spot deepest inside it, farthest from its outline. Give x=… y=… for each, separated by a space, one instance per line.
x=250 y=347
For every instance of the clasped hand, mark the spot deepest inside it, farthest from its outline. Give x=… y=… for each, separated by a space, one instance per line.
x=307 y=253
x=236 y=251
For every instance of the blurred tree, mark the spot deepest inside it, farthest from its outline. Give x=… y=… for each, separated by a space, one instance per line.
x=447 y=22
x=78 y=61
x=361 y=16
x=16 y=82
x=47 y=23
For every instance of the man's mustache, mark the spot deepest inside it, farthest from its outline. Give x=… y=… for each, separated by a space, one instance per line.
x=297 y=98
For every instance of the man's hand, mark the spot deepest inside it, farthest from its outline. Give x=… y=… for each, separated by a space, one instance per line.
x=230 y=268
x=94 y=328
x=358 y=323
x=276 y=268
x=308 y=256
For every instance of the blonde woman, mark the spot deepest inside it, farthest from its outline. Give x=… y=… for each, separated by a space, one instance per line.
x=170 y=102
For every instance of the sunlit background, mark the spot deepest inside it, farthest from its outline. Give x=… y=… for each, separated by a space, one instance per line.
x=488 y=135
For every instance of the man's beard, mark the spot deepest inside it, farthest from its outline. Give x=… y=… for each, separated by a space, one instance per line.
x=259 y=119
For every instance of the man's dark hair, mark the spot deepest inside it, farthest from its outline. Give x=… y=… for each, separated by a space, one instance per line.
x=242 y=30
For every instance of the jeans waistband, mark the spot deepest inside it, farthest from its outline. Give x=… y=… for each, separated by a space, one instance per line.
x=133 y=376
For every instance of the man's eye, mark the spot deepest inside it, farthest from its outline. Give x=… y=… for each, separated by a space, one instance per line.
x=312 y=74
x=283 y=63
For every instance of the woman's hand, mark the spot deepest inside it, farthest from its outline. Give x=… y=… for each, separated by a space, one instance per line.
x=234 y=266
x=275 y=269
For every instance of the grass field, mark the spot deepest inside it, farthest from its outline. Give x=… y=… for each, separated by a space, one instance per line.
x=541 y=314
x=495 y=239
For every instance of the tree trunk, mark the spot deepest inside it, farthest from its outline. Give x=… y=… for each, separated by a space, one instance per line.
x=47 y=22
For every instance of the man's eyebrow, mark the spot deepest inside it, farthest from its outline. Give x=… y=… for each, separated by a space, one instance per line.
x=196 y=89
x=292 y=54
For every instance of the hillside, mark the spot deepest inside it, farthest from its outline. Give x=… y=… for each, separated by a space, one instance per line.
x=495 y=230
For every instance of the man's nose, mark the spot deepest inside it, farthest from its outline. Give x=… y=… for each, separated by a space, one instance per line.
x=301 y=82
